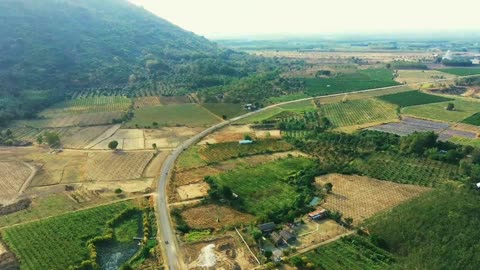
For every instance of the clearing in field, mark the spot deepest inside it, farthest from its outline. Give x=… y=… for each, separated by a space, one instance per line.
x=116 y=165
x=358 y=112
x=59 y=242
x=223 y=151
x=361 y=197
x=438 y=111
x=461 y=71
x=14 y=177
x=128 y=139
x=229 y=110
x=192 y=191
x=212 y=216
x=420 y=76
x=352 y=252
x=349 y=82
x=191 y=115
x=263 y=188
x=412 y=98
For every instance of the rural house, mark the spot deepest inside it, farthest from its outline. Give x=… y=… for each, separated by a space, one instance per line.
x=317 y=214
x=276 y=239
x=266 y=227
x=287 y=236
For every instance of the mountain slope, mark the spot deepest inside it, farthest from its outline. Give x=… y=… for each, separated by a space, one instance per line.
x=54 y=47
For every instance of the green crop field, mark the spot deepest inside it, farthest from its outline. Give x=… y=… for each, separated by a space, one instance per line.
x=438 y=111
x=406 y=170
x=88 y=105
x=357 y=112
x=230 y=110
x=412 y=98
x=353 y=252
x=259 y=117
x=59 y=242
x=299 y=107
x=192 y=115
x=465 y=141
x=264 y=188
x=190 y=158
x=473 y=120
x=228 y=150
x=461 y=71
x=348 y=82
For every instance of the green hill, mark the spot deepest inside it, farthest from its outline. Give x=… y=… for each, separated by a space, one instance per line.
x=52 y=48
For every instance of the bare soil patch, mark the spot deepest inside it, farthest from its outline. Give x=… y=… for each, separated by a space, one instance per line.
x=116 y=165
x=263 y=134
x=154 y=167
x=168 y=137
x=361 y=197
x=229 y=134
x=214 y=216
x=194 y=176
x=128 y=139
x=314 y=232
x=12 y=178
x=227 y=252
x=192 y=191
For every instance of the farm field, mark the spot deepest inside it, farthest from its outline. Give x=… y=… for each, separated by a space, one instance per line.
x=419 y=76
x=211 y=216
x=351 y=252
x=465 y=141
x=361 y=197
x=191 y=115
x=223 y=151
x=105 y=166
x=146 y=101
x=190 y=159
x=230 y=110
x=406 y=170
x=461 y=71
x=437 y=111
x=410 y=125
x=299 y=107
x=473 y=120
x=274 y=100
x=348 y=82
x=84 y=119
x=87 y=105
x=358 y=112
x=230 y=133
x=262 y=187
x=412 y=98
x=59 y=248
x=128 y=139
x=12 y=178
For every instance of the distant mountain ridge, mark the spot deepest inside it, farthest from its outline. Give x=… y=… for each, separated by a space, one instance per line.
x=52 y=47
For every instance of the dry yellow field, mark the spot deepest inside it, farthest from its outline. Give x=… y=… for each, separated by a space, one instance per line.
x=146 y=101
x=361 y=197
x=128 y=139
x=214 y=216
x=192 y=191
x=420 y=76
x=116 y=165
x=12 y=178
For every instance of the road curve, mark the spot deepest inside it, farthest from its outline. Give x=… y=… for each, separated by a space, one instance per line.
x=167 y=232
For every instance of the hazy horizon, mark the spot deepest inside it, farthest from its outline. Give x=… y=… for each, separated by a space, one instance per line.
x=224 y=19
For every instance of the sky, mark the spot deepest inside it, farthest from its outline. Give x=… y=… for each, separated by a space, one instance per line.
x=227 y=18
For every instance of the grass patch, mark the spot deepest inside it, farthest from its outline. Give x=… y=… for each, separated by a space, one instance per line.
x=465 y=141
x=264 y=189
x=192 y=115
x=260 y=116
x=438 y=111
x=348 y=82
x=299 y=107
x=461 y=71
x=190 y=158
x=357 y=112
x=412 y=98
x=59 y=242
x=127 y=229
x=473 y=120
x=353 y=252
x=195 y=236
x=228 y=150
x=230 y=110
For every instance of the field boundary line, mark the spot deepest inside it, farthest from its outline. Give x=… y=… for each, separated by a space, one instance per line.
x=251 y=252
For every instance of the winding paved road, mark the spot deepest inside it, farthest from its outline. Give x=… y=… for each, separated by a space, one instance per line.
x=167 y=232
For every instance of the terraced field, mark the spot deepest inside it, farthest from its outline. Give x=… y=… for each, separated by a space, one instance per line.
x=357 y=112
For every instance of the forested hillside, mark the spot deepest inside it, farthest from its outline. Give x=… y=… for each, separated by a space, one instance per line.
x=51 y=48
